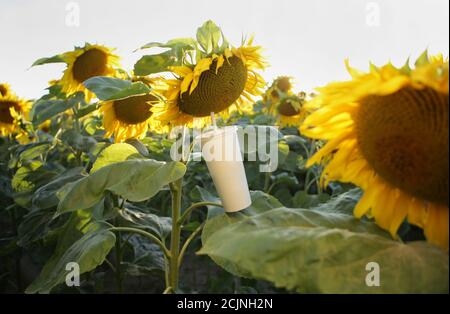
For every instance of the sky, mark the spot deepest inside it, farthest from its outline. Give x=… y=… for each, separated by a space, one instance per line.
x=308 y=40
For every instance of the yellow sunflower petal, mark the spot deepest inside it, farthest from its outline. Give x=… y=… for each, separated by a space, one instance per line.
x=387 y=132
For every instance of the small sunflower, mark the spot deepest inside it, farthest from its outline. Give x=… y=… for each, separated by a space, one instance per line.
x=283 y=103
x=282 y=85
x=131 y=117
x=4 y=89
x=290 y=111
x=12 y=110
x=220 y=81
x=387 y=132
x=84 y=63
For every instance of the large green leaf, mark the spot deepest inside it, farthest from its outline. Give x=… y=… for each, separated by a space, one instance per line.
x=27 y=179
x=45 y=196
x=151 y=64
x=147 y=258
x=85 y=110
x=160 y=226
x=82 y=241
x=45 y=109
x=321 y=251
x=134 y=180
x=34 y=227
x=23 y=154
x=80 y=142
x=34 y=152
x=218 y=219
x=261 y=202
x=53 y=59
x=208 y=36
x=178 y=43
x=305 y=200
x=115 y=153
x=110 y=88
x=342 y=203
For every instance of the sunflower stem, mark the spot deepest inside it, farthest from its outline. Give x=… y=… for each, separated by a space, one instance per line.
x=188 y=241
x=213 y=120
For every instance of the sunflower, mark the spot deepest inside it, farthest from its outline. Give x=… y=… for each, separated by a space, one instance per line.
x=12 y=110
x=131 y=117
x=84 y=63
x=282 y=85
x=220 y=81
x=4 y=89
x=283 y=103
x=387 y=132
x=290 y=111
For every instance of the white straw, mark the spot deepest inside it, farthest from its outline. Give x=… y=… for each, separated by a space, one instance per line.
x=213 y=118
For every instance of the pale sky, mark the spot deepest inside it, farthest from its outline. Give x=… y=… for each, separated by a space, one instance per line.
x=308 y=40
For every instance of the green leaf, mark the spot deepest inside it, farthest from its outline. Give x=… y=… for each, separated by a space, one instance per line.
x=85 y=110
x=283 y=152
x=82 y=241
x=160 y=226
x=208 y=36
x=317 y=251
x=295 y=139
x=178 y=43
x=148 y=258
x=27 y=179
x=342 y=203
x=54 y=59
x=44 y=110
x=24 y=154
x=34 y=152
x=305 y=200
x=134 y=180
x=206 y=196
x=78 y=141
x=218 y=219
x=139 y=146
x=115 y=153
x=284 y=178
x=110 y=88
x=157 y=63
x=45 y=196
x=33 y=227
x=293 y=162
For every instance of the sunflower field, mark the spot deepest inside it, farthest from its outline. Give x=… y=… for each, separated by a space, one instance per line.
x=93 y=201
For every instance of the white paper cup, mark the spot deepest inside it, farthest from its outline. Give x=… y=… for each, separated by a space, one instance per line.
x=222 y=153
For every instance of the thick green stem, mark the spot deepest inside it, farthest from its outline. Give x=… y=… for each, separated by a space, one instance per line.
x=176 y=189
